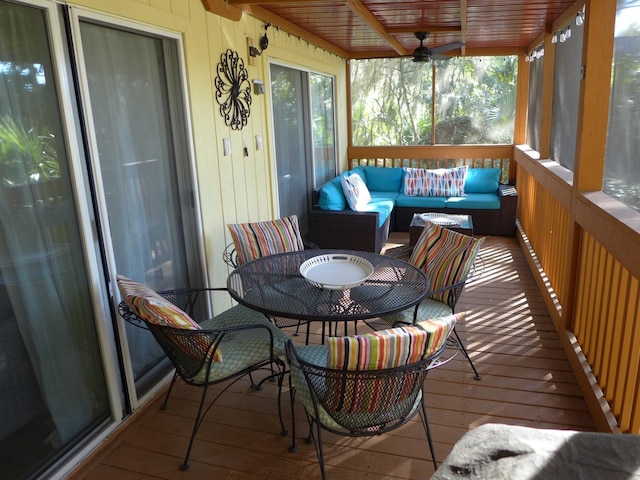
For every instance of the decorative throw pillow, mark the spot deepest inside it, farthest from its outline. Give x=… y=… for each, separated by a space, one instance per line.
x=356 y=191
x=259 y=239
x=445 y=182
x=414 y=181
x=153 y=308
x=445 y=256
x=382 y=350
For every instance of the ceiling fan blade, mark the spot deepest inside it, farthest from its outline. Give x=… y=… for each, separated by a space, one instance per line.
x=446 y=47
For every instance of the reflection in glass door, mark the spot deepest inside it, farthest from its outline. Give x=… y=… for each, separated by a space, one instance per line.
x=52 y=383
x=140 y=146
x=304 y=137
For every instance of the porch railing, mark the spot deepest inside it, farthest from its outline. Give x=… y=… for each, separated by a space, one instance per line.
x=585 y=259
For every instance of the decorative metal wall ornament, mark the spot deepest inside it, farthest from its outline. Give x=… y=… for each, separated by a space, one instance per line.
x=233 y=90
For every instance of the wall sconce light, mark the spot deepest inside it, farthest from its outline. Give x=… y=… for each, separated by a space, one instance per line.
x=264 y=43
x=264 y=40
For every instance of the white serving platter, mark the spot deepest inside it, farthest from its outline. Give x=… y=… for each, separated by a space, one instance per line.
x=336 y=271
x=438 y=220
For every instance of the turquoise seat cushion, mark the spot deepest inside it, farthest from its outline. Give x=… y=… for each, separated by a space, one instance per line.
x=426 y=202
x=391 y=196
x=382 y=179
x=331 y=195
x=482 y=180
x=475 y=201
x=244 y=348
x=382 y=206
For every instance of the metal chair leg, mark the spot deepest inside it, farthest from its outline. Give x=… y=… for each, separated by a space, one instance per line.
x=466 y=354
x=425 y=424
x=166 y=398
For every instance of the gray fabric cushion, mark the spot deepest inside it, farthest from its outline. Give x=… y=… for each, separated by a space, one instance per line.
x=505 y=452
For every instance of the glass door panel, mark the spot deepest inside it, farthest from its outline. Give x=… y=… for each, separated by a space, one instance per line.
x=53 y=387
x=133 y=87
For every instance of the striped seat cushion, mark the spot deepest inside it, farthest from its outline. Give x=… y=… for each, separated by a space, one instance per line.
x=445 y=256
x=259 y=239
x=380 y=350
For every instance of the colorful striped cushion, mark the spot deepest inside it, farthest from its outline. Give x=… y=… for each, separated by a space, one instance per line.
x=445 y=256
x=155 y=309
x=259 y=239
x=381 y=350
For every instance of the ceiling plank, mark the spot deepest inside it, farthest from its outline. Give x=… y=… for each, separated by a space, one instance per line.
x=463 y=24
x=369 y=18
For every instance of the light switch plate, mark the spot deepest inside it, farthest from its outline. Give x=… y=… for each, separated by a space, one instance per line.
x=258 y=142
x=226 y=146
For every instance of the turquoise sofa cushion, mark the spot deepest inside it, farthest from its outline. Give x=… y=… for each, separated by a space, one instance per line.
x=482 y=180
x=360 y=171
x=383 y=179
x=426 y=202
x=475 y=201
x=382 y=206
x=392 y=196
x=331 y=196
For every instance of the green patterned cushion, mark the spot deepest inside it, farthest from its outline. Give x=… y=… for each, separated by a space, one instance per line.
x=244 y=348
x=445 y=256
x=259 y=239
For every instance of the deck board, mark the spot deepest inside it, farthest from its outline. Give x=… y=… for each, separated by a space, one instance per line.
x=526 y=380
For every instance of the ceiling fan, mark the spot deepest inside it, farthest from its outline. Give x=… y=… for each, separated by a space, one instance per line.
x=424 y=54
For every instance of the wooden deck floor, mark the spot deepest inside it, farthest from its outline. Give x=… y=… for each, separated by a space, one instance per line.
x=526 y=380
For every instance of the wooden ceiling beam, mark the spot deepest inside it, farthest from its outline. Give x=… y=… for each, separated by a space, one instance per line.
x=369 y=18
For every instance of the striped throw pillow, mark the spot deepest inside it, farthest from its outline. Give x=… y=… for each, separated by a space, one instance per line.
x=153 y=308
x=445 y=256
x=380 y=350
x=259 y=239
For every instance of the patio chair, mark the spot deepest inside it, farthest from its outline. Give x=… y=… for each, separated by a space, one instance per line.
x=257 y=239
x=448 y=258
x=229 y=346
x=366 y=385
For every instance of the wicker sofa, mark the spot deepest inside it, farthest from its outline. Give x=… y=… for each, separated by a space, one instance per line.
x=333 y=224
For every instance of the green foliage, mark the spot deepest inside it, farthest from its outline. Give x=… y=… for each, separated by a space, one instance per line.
x=26 y=154
x=475 y=101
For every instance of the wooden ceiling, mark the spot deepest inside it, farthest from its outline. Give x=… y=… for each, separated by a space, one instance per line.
x=385 y=28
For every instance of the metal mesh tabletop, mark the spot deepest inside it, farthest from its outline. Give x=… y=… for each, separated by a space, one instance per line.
x=273 y=285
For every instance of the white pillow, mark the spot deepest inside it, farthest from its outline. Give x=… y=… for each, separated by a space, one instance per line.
x=356 y=191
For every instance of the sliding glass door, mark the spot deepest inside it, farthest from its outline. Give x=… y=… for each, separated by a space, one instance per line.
x=95 y=180
x=133 y=97
x=52 y=385
x=304 y=134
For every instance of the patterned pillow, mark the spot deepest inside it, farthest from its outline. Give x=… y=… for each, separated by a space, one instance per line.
x=151 y=307
x=356 y=191
x=442 y=182
x=381 y=350
x=259 y=239
x=445 y=256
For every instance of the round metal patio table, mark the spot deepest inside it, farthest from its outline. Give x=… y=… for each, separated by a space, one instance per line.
x=274 y=286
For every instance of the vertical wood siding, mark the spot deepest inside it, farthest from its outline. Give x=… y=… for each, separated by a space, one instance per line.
x=607 y=325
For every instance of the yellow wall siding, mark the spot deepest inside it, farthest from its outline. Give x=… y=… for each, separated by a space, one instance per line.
x=231 y=188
